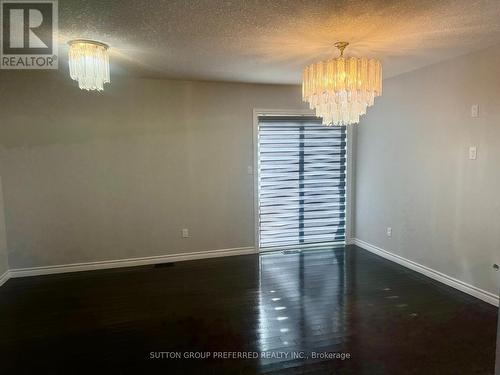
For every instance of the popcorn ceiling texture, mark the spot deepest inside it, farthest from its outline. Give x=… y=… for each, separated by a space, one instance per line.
x=271 y=41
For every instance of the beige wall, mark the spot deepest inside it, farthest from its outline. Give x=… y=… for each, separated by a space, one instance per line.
x=4 y=264
x=413 y=172
x=118 y=174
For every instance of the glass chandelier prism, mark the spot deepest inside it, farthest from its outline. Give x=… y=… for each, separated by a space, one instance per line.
x=89 y=64
x=341 y=89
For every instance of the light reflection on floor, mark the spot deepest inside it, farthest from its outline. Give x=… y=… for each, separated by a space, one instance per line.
x=301 y=300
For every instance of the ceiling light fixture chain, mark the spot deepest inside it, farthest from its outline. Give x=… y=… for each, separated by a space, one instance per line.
x=341 y=46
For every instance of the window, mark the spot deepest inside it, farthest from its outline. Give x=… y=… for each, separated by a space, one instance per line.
x=301 y=182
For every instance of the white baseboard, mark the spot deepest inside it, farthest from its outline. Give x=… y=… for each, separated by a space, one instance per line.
x=90 y=266
x=429 y=272
x=4 y=278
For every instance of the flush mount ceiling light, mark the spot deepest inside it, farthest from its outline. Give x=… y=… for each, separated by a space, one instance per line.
x=341 y=89
x=89 y=63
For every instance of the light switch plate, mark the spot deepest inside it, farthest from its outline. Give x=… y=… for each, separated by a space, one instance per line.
x=472 y=153
x=474 y=111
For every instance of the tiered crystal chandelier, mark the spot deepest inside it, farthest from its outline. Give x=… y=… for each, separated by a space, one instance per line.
x=89 y=64
x=341 y=89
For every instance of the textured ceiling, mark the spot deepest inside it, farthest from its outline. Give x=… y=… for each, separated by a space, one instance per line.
x=271 y=41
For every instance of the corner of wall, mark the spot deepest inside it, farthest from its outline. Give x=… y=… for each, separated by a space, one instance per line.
x=353 y=179
x=4 y=257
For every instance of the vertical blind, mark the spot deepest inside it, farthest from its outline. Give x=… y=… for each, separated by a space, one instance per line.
x=302 y=182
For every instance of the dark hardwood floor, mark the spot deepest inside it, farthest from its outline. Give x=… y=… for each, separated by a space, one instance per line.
x=388 y=319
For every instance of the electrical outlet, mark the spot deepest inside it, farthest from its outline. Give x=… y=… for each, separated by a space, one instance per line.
x=389 y=232
x=185 y=233
x=250 y=170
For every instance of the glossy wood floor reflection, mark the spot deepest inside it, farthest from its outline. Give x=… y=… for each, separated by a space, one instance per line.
x=390 y=320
